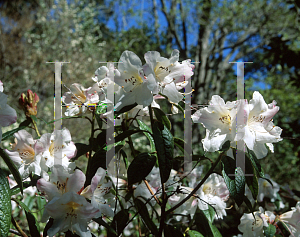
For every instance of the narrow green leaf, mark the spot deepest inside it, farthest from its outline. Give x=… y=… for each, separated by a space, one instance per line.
x=125 y=109
x=140 y=167
x=143 y=126
x=34 y=227
x=99 y=120
x=194 y=233
x=162 y=117
x=12 y=132
x=180 y=143
x=179 y=107
x=5 y=204
x=15 y=190
x=124 y=155
x=164 y=144
x=269 y=230
x=252 y=181
x=143 y=212
x=13 y=169
x=126 y=134
x=48 y=226
x=33 y=118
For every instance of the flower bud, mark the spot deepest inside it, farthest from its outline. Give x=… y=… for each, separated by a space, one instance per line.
x=29 y=103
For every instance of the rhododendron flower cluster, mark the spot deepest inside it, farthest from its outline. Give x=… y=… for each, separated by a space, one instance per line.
x=38 y=156
x=156 y=194
x=219 y=119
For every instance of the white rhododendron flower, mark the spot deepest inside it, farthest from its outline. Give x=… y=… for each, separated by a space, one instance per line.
x=265 y=189
x=79 y=99
x=254 y=227
x=136 y=86
x=58 y=147
x=170 y=75
x=71 y=212
x=187 y=208
x=213 y=192
x=291 y=219
x=25 y=154
x=100 y=74
x=259 y=129
x=97 y=192
x=61 y=181
x=8 y=115
x=219 y=119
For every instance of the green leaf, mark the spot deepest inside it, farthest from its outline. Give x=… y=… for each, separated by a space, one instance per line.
x=170 y=230
x=107 y=226
x=251 y=155
x=33 y=118
x=98 y=160
x=204 y=226
x=99 y=120
x=194 y=233
x=15 y=190
x=143 y=212
x=269 y=230
x=123 y=153
x=13 y=169
x=100 y=109
x=5 y=204
x=12 y=132
x=164 y=144
x=119 y=223
x=225 y=146
x=82 y=149
x=252 y=181
x=179 y=107
x=25 y=123
x=210 y=214
x=162 y=117
x=249 y=205
x=125 y=109
x=235 y=183
x=48 y=226
x=180 y=143
x=126 y=134
x=143 y=126
x=140 y=167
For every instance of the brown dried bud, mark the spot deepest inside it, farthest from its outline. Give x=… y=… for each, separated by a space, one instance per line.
x=29 y=103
